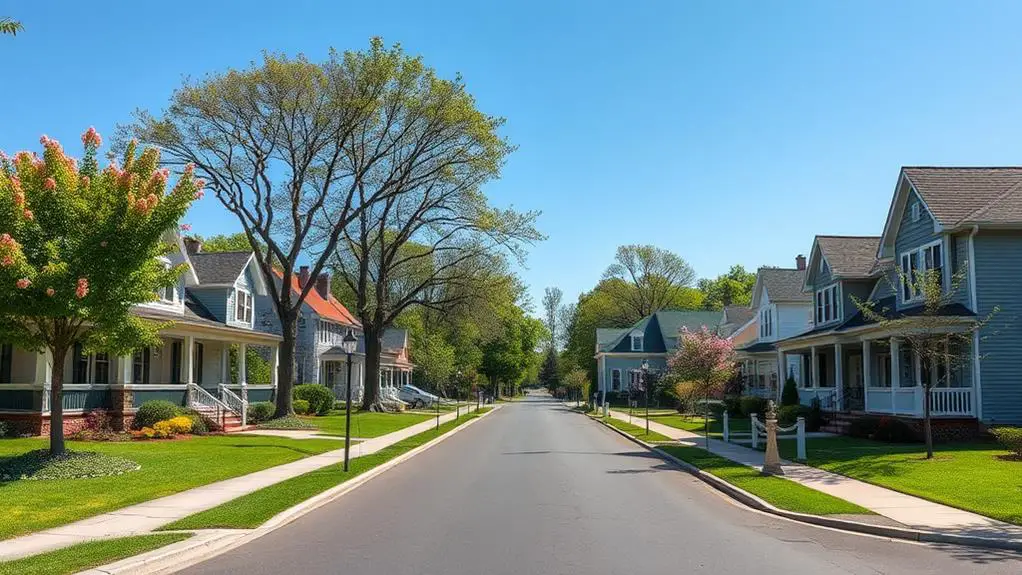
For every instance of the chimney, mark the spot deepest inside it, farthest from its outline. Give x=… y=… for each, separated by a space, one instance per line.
x=323 y=285
x=303 y=276
x=800 y=262
x=192 y=245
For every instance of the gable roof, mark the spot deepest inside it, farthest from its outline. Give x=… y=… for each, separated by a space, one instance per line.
x=657 y=329
x=737 y=315
x=328 y=308
x=781 y=284
x=395 y=339
x=605 y=336
x=848 y=257
x=219 y=268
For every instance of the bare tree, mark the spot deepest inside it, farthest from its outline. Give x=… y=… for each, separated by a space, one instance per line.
x=942 y=339
x=297 y=151
x=552 y=307
x=649 y=279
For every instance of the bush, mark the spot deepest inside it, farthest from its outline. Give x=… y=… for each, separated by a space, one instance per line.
x=733 y=405
x=788 y=414
x=887 y=429
x=5 y=430
x=155 y=411
x=260 y=411
x=301 y=406
x=319 y=397
x=789 y=395
x=199 y=425
x=39 y=465
x=750 y=404
x=1010 y=438
x=180 y=424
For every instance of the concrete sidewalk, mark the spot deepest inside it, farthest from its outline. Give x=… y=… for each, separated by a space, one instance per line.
x=149 y=515
x=910 y=511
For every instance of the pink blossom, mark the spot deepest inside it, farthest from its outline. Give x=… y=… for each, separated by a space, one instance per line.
x=91 y=136
x=16 y=183
x=50 y=184
x=44 y=140
x=3 y=156
x=19 y=198
x=152 y=200
x=86 y=181
x=199 y=193
x=189 y=168
x=186 y=227
x=7 y=262
x=29 y=215
x=83 y=288
x=23 y=283
x=50 y=291
x=6 y=240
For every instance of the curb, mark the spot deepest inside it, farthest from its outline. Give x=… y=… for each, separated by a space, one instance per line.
x=758 y=504
x=210 y=543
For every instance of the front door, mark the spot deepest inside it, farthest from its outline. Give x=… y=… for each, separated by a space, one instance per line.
x=854 y=395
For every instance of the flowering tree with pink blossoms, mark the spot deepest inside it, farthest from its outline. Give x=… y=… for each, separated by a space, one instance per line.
x=707 y=361
x=79 y=247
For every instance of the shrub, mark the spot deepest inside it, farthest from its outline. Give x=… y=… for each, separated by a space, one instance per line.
x=319 y=397
x=751 y=404
x=180 y=424
x=199 y=425
x=301 y=406
x=98 y=420
x=789 y=395
x=163 y=429
x=154 y=411
x=260 y=411
x=1010 y=438
x=733 y=405
x=788 y=414
x=4 y=429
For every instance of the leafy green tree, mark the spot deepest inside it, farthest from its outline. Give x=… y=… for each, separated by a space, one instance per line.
x=508 y=357
x=236 y=242
x=706 y=362
x=650 y=279
x=10 y=26
x=577 y=383
x=732 y=288
x=554 y=312
x=79 y=247
x=548 y=374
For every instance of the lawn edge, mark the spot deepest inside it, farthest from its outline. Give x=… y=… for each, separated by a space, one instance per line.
x=750 y=500
x=219 y=541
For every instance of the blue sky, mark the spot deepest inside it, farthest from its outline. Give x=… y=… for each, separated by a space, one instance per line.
x=728 y=132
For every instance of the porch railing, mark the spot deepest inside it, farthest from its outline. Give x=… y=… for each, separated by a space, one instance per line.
x=201 y=400
x=234 y=403
x=951 y=401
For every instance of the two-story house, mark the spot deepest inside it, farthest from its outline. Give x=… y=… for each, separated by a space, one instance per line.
x=959 y=222
x=781 y=310
x=620 y=352
x=210 y=315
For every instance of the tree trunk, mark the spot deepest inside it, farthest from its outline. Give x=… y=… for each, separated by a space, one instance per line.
x=57 y=402
x=927 y=428
x=374 y=346
x=286 y=369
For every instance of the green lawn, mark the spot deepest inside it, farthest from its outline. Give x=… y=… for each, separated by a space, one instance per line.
x=977 y=477
x=254 y=509
x=635 y=430
x=695 y=423
x=88 y=555
x=779 y=492
x=168 y=467
x=365 y=423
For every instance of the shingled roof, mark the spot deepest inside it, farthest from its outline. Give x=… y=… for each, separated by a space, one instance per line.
x=781 y=284
x=219 y=268
x=849 y=256
x=958 y=196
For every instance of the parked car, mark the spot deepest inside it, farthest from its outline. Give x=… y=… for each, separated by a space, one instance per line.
x=416 y=397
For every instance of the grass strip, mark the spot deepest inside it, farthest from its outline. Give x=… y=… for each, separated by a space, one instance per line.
x=636 y=431
x=781 y=493
x=252 y=510
x=88 y=555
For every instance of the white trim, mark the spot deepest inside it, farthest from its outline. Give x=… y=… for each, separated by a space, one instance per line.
x=921 y=263
x=820 y=305
x=614 y=370
x=973 y=297
x=237 y=304
x=898 y=203
x=641 y=338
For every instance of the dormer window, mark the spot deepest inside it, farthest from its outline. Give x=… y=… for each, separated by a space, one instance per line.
x=823 y=266
x=166 y=294
x=243 y=307
x=637 y=342
x=766 y=323
x=826 y=305
x=914 y=211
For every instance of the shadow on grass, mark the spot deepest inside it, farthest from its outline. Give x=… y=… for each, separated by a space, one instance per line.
x=274 y=446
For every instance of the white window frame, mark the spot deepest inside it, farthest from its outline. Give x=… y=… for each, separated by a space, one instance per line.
x=162 y=292
x=615 y=374
x=243 y=302
x=766 y=322
x=915 y=212
x=820 y=315
x=917 y=255
x=638 y=340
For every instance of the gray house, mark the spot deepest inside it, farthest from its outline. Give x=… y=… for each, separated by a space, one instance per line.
x=953 y=220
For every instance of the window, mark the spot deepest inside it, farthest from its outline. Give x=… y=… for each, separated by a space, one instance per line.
x=243 y=307
x=615 y=379
x=914 y=210
x=6 y=356
x=80 y=368
x=140 y=366
x=908 y=367
x=915 y=263
x=175 y=362
x=101 y=368
x=766 y=323
x=826 y=304
x=637 y=342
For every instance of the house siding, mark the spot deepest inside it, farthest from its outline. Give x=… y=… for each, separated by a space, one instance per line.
x=884 y=286
x=626 y=364
x=959 y=253
x=246 y=283
x=793 y=319
x=912 y=235
x=999 y=283
x=854 y=289
x=213 y=299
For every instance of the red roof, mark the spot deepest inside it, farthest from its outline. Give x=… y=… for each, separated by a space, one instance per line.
x=328 y=308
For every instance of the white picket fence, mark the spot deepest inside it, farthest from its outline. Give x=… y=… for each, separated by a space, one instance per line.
x=757 y=431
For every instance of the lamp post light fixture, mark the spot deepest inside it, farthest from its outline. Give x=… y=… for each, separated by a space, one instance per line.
x=645 y=386
x=348 y=344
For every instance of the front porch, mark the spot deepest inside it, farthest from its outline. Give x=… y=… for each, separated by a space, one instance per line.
x=882 y=375
x=760 y=377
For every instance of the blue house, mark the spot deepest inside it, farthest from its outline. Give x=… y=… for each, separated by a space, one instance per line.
x=621 y=351
x=959 y=222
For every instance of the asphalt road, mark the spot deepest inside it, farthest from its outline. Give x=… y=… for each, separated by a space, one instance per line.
x=535 y=488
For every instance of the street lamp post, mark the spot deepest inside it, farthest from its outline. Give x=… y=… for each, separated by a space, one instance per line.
x=348 y=344
x=457 y=403
x=645 y=385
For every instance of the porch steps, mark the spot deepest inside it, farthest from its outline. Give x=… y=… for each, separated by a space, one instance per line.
x=839 y=422
x=229 y=420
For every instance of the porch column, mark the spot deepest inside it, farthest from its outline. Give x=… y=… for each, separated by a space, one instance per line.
x=782 y=376
x=43 y=369
x=895 y=371
x=839 y=375
x=276 y=364
x=123 y=375
x=867 y=364
x=242 y=375
x=755 y=374
x=225 y=364
x=189 y=359
x=814 y=367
